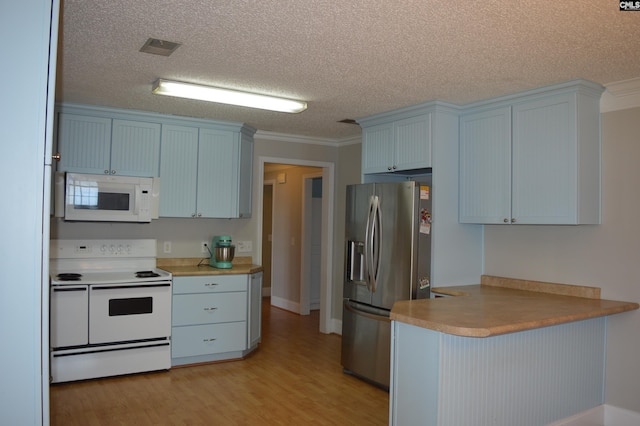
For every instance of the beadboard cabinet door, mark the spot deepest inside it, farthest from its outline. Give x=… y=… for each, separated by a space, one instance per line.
x=544 y=162
x=413 y=142
x=485 y=166
x=135 y=148
x=178 y=165
x=84 y=143
x=377 y=148
x=218 y=159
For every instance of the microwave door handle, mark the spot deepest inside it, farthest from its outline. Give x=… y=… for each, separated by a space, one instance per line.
x=137 y=196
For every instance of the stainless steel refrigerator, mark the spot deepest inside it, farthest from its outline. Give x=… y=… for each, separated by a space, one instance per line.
x=388 y=258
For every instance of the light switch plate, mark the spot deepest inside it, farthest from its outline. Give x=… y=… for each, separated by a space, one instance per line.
x=244 y=246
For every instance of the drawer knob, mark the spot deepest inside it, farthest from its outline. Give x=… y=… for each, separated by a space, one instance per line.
x=210 y=309
x=209 y=340
x=210 y=284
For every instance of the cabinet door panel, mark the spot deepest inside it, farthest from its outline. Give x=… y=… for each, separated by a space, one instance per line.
x=377 y=149
x=413 y=143
x=135 y=148
x=178 y=164
x=544 y=161
x=217 y=193
x=485 y=167
x=84 y=143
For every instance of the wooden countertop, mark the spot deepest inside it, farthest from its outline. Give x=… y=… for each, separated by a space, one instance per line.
x=189 y=267
x=504 y=305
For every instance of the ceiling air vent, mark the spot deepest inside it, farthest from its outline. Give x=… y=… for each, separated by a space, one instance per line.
x=159 y=47
x=348 y=121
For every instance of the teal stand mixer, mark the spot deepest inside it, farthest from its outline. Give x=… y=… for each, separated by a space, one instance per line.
x=223 y=252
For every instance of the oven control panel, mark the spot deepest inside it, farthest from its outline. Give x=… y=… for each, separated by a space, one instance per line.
x=91 y=249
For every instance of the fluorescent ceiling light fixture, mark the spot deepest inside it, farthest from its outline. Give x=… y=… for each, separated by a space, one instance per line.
x=226 y=96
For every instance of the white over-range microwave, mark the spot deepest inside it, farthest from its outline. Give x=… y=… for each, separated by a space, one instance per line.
x=106 y=198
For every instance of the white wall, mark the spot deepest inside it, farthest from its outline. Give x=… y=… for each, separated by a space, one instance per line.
x=23 y=275
x=605 y=256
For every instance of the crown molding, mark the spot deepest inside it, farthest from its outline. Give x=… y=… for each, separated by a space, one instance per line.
x=621 y=95
x=284 y=137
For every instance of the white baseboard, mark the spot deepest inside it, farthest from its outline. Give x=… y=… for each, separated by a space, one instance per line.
x=336 y=326
x=602 y=415
x=614 y=416
x=285 y=304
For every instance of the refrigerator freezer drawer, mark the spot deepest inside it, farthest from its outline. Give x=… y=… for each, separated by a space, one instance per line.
x=366 y=342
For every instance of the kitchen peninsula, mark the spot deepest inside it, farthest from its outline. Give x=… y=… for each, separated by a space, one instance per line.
x=216 y=313
x=504 y=352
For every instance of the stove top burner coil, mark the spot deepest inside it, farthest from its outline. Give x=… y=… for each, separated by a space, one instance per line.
x=69 y=276
x=146 y=274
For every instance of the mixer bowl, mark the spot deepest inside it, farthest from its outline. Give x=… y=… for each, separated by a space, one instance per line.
x=224 y=254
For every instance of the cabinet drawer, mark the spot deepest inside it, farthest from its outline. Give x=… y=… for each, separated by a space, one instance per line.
x=209 y=308
x=197 y=340
x=210 y=284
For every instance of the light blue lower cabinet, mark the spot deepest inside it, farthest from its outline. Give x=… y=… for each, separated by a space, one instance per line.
x=210 y=318
x=527 y=378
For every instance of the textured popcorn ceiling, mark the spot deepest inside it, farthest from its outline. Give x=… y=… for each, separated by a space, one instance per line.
x=347 y=59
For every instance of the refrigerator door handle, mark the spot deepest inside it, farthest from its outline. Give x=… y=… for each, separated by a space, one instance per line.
x=375 y=243
x=368 y=246
x=368 y=312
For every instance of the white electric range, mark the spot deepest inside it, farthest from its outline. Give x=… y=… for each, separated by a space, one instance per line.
x=110 y=310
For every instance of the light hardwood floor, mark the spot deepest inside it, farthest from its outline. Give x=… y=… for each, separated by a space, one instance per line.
x=294 y=378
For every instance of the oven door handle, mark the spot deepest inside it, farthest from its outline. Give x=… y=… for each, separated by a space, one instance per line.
x=56 y=289
x=119 y=287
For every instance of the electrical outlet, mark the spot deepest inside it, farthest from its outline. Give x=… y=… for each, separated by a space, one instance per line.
x=203 y=247
x=166 y=247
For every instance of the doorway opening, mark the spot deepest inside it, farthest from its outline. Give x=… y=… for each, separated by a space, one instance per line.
x=313 y=252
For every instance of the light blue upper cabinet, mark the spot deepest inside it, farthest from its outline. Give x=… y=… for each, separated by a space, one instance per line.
x=485 y=166
x=397 y=141
x=102 y=145
x=532 y=158
x=84 y=143
x=206 y=172
x=378 y=149
x=178 y=165
x=205 y=166
x=218 y=161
